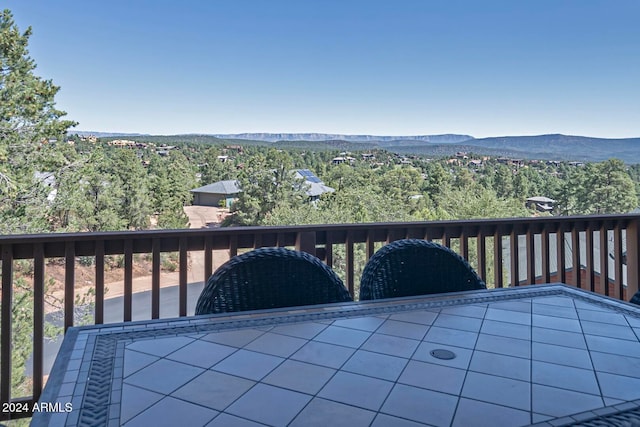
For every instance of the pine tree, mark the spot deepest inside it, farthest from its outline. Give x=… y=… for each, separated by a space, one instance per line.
x=135 y=208
x=28 y=118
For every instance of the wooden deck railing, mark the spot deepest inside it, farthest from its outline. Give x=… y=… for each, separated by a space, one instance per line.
x=598 y=253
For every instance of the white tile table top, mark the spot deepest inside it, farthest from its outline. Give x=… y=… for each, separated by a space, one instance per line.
x=542 y=354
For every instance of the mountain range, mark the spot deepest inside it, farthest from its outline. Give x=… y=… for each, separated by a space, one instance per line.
x=275 y=137
x=545 y=147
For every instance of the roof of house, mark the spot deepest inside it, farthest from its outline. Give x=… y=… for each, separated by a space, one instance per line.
x=317 y=188
x=540 y=199
x=307 y=175
x=231 y=186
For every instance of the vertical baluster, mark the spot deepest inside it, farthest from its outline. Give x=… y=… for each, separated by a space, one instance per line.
x=182 y=247
x=428 y=234
x=69 y=283
x=604 y=260
x=531 y=256
x=446 y=239
x=233 y=245
x=38 y=319
x=128 y=280
x=208 y=257
x=464 y=245
x=481 y=247
x=590 y=272
x=370 y=245
x=328 y=251
x=155 y=278
x=561 y=255
x=515 y=259
x=544 y=252
x=497 y=259
x=306 y=242
x=349 y=274
x=617 y=261
x=99 y=276
x=575 y=255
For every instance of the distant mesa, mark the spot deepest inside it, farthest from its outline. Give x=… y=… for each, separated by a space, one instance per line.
x=104 y=134
x=275 y=137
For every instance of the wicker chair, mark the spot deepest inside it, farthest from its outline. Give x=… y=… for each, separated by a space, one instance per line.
x=270 y=278
x=416 y=267
x=635 y=299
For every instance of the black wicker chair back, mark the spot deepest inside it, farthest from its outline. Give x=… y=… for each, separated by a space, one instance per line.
x=416 y=267
x=270 y=278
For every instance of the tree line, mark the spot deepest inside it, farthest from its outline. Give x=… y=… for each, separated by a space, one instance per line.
x=97 y=187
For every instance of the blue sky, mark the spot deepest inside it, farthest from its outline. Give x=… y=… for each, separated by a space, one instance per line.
x=402 y=67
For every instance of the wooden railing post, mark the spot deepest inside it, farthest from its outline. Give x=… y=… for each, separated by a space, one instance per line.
x=5 y=334
x=633 y=257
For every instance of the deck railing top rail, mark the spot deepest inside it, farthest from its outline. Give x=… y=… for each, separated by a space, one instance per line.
x=244 y=237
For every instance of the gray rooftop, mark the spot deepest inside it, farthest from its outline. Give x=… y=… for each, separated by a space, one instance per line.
x=231 y=186
x=540 y=199
x=317 y=188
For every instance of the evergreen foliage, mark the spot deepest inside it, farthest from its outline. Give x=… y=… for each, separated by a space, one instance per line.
x=28 y=120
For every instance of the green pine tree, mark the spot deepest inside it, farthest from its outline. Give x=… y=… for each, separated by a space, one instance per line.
x=28 y=118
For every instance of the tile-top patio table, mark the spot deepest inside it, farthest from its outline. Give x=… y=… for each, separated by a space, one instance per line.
x=547 y=354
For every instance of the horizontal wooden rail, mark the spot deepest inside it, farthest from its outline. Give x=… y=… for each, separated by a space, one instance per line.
x=600 y=253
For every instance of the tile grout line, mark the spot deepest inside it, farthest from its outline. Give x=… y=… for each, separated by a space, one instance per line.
x=593 y=366
x=410 y=358
x=531 y=412
x=464 y=380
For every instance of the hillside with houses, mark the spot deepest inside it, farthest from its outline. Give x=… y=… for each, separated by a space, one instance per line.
x=86 y=183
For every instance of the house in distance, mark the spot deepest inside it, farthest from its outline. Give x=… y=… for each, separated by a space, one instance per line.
x=221 y=193
x=314 y=186
x=540 y=203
